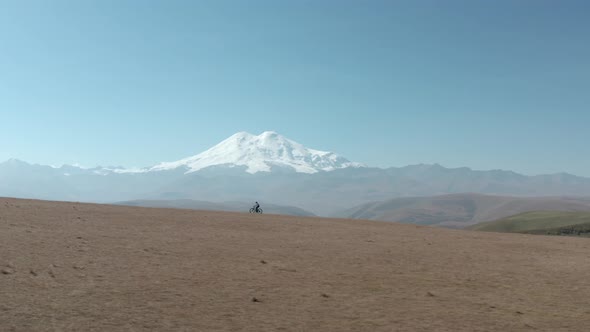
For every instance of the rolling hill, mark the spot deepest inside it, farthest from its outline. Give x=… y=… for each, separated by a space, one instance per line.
x=460 y=210
x=540 y=222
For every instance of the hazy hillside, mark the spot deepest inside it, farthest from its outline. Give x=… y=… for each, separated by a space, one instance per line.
x=540 y=222
x=460 y=210
x=226 y=206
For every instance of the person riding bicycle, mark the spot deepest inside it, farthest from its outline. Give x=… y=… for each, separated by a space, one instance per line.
x=257 y=207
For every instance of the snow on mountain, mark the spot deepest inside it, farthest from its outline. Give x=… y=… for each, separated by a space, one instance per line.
x=260 y=154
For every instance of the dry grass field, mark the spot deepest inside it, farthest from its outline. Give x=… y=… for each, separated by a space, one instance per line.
x=84 y=267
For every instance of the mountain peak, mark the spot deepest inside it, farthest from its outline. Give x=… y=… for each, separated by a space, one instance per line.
x=241 y=134
x=261 y=153
x=270 y=133
x=15 y=162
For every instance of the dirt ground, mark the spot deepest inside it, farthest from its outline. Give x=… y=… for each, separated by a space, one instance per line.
x=84 y=267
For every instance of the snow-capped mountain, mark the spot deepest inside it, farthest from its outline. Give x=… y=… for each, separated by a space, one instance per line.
x=261 y=153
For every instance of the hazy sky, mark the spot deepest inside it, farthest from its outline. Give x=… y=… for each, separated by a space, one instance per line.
x=484 y=84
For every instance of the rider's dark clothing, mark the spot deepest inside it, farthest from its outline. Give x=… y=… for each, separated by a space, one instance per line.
x=256 y=206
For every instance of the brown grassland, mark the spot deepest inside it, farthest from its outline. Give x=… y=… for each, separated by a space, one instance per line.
x=85 y=267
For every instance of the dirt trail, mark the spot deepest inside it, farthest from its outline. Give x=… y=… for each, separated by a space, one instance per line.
x=84 y=267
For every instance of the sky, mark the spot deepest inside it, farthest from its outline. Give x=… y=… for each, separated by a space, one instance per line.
x=484 y=84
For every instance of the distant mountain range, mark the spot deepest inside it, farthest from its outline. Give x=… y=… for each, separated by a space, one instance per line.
x=273 y=170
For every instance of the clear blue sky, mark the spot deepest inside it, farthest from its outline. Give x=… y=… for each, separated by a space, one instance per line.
x=484 y=84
